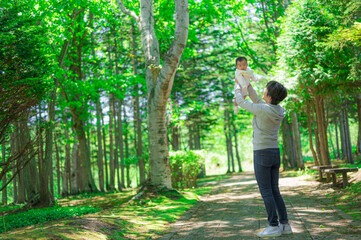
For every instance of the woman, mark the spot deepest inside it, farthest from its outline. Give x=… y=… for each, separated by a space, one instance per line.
x=267 y=118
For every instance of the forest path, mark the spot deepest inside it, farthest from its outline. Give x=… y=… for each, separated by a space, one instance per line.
x=235 y=210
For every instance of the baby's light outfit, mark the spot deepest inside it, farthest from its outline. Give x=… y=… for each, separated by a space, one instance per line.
x=244 y=77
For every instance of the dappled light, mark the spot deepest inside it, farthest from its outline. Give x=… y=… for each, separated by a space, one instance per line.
x=180 y=119
x=237 y=212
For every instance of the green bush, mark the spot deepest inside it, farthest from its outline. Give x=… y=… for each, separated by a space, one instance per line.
x=185 y=167
x=42 y=215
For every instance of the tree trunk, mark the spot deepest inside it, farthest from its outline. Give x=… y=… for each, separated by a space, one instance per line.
x=119 y=131
x=317 y=139
x=4 y=191
x=358 y=101
x=105 y=154
x=159 y=84
x=13 y=152
x=348 y=139
x=46 y=198
x=67 y=170
x=85 y=181
x=74 y=159
x=225 y=129
x=58 y=173
x=236 y=146
x=337 y=142
x=197 y=138
x=137 y=117
x=121 y=145
x=116 y=138
x=30 y=173
x=159 y=166
x=139 y=142
x=116 y=149
x=175 y=138
x=285 y=155
x=127 y=164
x=288 y=145
x=230 y=147
x=24 y=174
x=20 y=176
x=332 y=147
x=309 y=125
x=51 y=180
x=190 y=137
x=322 y=133
x=230 y=137
x=100 y=149
x=297 y=141
x=345 y=137
x=111 y=145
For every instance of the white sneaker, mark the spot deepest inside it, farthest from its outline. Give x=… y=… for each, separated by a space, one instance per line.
x=270 y=231
x=285 y=228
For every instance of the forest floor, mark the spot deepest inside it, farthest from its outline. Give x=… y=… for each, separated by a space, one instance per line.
x=229 y=207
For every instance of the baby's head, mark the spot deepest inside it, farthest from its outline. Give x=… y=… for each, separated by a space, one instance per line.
x=241 y=63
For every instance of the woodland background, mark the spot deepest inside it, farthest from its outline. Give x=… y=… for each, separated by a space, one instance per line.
x=73 y=109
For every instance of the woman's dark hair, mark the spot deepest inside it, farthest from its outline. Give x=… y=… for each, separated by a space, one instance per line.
x=276 y=91
x=240 y=59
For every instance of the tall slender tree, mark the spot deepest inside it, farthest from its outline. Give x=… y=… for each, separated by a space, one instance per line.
x=159 y=83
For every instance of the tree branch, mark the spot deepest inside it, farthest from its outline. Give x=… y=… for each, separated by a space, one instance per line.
x=250 y=51
x=128 y=12
x=172 y=57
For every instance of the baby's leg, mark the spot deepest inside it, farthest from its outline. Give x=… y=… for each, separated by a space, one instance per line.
x=236 y=110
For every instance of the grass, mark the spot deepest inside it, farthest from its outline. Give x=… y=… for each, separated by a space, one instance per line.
x=348 y=199
x=145 y=218
x=10 y=207
x=40 y=216
x=306 y=172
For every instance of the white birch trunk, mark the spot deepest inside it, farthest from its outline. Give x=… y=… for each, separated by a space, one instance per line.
x=159 y=84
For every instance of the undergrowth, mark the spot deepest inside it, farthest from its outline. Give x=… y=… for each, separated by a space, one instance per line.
x=42 y=215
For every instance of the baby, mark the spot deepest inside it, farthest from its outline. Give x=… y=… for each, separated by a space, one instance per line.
x=243 y=76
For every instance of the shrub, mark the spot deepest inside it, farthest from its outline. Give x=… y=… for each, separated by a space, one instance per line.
x=185 y=167
x=36 y=216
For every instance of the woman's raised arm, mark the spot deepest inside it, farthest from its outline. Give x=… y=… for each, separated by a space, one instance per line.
x=253 y=95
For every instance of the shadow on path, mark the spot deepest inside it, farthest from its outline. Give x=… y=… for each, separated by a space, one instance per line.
x=235 y=210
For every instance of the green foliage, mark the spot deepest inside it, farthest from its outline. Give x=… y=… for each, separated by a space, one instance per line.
x=37 y=216
x=10 y=207
x=24 y=61
x=300 y=59
x=185 y=167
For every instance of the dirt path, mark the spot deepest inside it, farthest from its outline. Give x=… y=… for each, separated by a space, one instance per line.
x=235 y=210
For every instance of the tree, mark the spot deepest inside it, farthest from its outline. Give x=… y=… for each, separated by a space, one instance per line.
x=302 y=63
x=25 y=69
x=159 y=83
